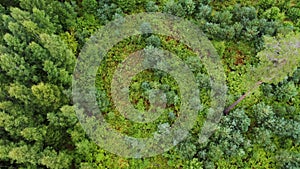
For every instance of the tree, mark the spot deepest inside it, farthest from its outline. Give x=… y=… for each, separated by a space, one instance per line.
x=227 y=142
x=279 y=60
x=39 y=42
x=8 y=3
x=36 y=66
x=151 y=7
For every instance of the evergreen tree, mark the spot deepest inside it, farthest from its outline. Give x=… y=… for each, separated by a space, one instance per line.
x=279 y=60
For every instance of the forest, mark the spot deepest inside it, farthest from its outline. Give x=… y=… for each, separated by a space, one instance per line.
x=257 y=43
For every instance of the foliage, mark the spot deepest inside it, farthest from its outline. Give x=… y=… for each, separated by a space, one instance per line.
x=256 y=40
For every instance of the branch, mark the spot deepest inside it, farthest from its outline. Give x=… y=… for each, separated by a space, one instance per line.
x=228 y=109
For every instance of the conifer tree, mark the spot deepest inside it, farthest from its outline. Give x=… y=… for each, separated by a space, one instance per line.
x=279 y=59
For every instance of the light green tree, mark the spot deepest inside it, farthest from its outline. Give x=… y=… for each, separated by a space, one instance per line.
x=279 y=59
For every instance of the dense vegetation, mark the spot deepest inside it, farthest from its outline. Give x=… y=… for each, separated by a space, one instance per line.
x=41 y=39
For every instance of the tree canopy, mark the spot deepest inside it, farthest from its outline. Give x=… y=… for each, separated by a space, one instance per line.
x=257 y=42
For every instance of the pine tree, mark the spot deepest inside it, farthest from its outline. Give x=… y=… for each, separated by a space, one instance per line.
x=36 y=66
x=279 y=59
